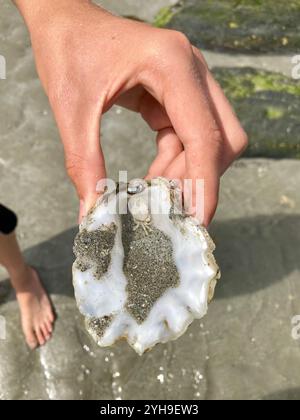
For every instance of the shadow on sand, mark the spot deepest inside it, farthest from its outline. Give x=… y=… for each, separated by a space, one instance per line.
x=292 y=394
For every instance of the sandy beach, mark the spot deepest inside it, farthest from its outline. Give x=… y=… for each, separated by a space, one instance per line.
x=243 y=348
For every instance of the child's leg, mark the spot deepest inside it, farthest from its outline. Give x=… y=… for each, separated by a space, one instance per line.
x=10 y=255
x=36 y=311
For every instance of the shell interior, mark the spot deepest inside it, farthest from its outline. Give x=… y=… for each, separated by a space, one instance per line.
x=143 y=271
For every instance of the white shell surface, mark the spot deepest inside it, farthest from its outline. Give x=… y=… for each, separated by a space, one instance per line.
x=104 y=296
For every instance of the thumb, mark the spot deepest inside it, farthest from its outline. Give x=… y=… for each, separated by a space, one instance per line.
x=84 y=160
x=85 y=175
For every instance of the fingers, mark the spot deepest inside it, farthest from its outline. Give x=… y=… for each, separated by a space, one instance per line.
x=153 y=113
x=202 y=119
x=79 y=126
x=176 y=169
x=234 y=136
x=193 y=120
x=168 y=148
x=169 y=145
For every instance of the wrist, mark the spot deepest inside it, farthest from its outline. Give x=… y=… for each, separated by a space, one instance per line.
x=37 y=13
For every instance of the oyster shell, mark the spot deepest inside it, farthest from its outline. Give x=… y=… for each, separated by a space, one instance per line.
x=143 y=274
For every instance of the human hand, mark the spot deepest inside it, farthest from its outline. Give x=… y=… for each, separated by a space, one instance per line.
x=89 y=60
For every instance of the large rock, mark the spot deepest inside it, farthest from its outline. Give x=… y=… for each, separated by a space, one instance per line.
x=141 y=9
x=246 y=25
x=268 y=105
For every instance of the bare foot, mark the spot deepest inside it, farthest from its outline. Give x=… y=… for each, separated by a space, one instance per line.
x=36 y=310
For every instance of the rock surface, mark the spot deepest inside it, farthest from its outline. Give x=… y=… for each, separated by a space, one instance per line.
x=141 y=9
x=268 y=105
x=244 y=25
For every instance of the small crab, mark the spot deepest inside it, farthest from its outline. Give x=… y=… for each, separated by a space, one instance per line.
x=145 y=224
x=139 y=209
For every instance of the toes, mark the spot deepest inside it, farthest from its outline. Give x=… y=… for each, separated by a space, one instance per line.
x=49 y=326
x=46 y=332
x=40 y=336
x=31 y=338
x=50 y=316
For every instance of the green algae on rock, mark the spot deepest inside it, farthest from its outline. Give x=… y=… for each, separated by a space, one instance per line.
x=240 y=83
x=165 y=15
x=260 y=26
x=268 y=105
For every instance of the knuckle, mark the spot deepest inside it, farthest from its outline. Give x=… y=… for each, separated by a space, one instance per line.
x=169 y=47
x=178 y=45
x=215 y=138
x=242 y=142
x=180 y=39
x=216 y=135
x=201 y=59
x=214 y=144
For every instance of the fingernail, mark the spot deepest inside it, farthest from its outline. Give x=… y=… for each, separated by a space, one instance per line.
x=197 y=213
